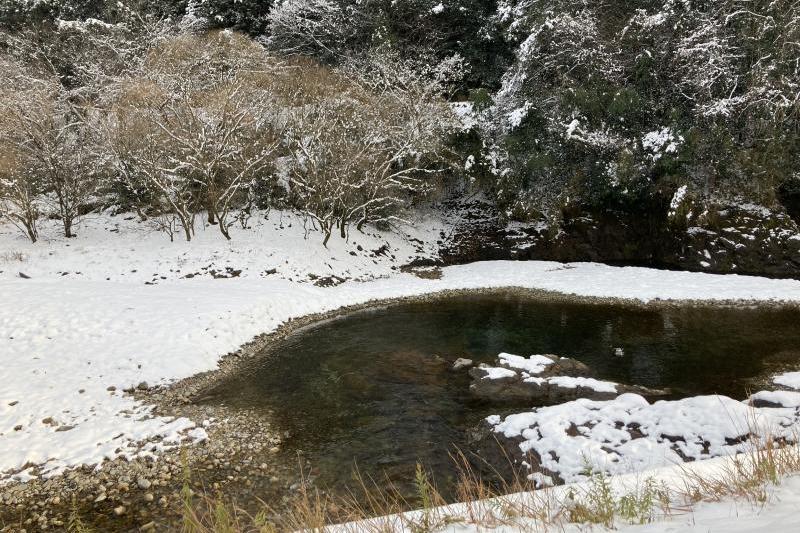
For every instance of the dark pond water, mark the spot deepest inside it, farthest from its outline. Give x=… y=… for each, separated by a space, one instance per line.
x=375 y=388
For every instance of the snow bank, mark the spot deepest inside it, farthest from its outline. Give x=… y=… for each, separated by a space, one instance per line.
x=574 y=436
x=778 y=397
x=789 y=379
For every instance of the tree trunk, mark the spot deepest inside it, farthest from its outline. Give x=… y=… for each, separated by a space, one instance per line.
x=30 y=228
x=223 y=228
x=67 y=226
x=142 y=216
x=186 y=225
x=212 y=213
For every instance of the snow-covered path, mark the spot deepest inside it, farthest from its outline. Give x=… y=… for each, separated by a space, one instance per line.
x=65 y=340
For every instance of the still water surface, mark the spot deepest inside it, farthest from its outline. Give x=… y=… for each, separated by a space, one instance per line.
x=375 y=388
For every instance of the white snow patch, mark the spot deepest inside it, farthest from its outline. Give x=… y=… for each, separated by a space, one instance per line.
x=516 y=116
x=789 y=379
x=660 y=142
x=465 y=113
x=498 y=373
x=698 y=427
x=677 y=200
x=780 y=397
x=568 y=382
x=535 y=364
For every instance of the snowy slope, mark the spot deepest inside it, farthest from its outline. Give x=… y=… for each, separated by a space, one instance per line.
x=123 y=249
x=87 y=320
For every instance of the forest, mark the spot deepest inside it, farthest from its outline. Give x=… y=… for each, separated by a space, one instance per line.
x=360 y=111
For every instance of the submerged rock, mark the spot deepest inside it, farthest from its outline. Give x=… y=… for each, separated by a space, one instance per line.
x=462 y=363
x=545 y=380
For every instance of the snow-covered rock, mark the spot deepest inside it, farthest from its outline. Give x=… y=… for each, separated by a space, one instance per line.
x=544 y=380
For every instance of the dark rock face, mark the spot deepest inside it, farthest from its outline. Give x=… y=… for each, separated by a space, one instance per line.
x=743 y=239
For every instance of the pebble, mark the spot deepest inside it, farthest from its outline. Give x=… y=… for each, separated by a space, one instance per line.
x=43 y=503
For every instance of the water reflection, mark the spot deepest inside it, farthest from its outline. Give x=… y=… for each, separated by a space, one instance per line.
x=376 y=388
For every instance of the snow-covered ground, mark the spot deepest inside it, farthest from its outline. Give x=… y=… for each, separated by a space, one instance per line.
x=122 y=249
x=120 y=305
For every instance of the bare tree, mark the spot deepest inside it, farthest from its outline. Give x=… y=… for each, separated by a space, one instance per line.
x=51 y=141
x=313 y=27
x=19 y=193
x=197 y=127
x=142 y=159
x=362 y=147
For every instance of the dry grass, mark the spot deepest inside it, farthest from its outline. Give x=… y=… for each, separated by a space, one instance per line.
x=12 y=256
x=746 y=476
x=380 y=508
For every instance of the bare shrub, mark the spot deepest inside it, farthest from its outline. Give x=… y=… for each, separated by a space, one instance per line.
x=363 y=145
x=47 y=148
x=18 y=195
x=196 y=128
